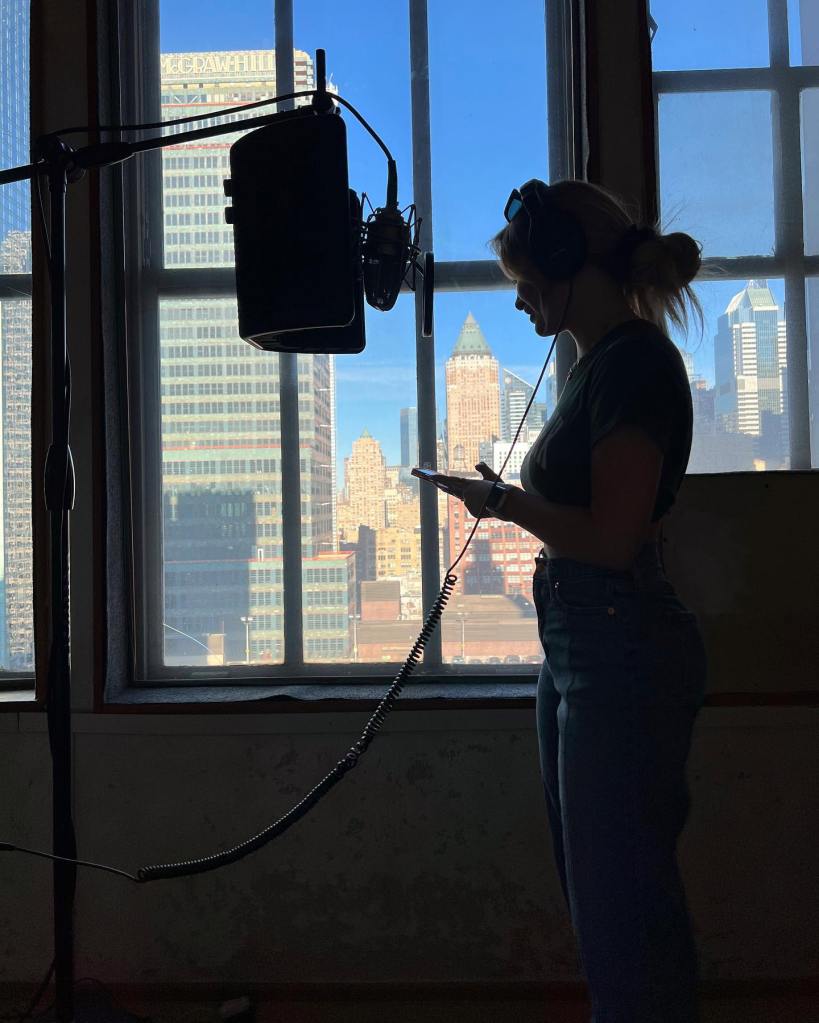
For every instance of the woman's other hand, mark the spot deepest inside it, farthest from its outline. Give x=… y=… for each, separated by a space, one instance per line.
x=474 y=493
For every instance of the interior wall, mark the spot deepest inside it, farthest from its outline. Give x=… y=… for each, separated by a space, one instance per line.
x=430 y=862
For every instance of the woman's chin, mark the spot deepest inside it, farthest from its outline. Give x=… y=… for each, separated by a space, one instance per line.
x=540 y=328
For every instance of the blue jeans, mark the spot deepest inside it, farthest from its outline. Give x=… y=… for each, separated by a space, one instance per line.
x=622 y=681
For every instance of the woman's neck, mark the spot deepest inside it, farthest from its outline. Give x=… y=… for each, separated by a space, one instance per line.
x=597 y=307
x=592 y=330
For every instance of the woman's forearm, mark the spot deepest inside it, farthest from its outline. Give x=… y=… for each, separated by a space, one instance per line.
x=570 y=529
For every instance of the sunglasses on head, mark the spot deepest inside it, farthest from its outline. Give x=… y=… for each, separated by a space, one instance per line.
x=514 y=204
x=528 y=197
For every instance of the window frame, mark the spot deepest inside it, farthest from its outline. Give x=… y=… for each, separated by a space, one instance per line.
x=148 y=282
x=785 y=84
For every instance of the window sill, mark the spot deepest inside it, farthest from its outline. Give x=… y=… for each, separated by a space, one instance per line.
x=519 y=692
x=16 y=699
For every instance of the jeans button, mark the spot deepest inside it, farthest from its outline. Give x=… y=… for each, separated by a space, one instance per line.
x=612 y=611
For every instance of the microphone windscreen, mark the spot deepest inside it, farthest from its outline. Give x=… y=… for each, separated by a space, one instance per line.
x=386 y=254
x=349 y=339
x=293 y=234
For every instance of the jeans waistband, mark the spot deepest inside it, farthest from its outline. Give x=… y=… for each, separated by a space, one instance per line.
x=646 y=568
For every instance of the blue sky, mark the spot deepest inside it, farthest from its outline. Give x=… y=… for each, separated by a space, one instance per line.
x=488 y=134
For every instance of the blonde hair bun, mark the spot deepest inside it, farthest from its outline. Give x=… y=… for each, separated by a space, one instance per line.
x=686 y=254
x=667 y=262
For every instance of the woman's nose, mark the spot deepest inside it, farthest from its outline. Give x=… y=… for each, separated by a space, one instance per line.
x=518 y=304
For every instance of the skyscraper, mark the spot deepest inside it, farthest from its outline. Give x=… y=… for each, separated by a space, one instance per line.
x=220 y=396
x=209 y=548
x=16 y=608
x=750 y=363
x=15 y=458
x=409 y=437
x=515 y=396
x=688 y=362
x=472 y=398
x=366 y=482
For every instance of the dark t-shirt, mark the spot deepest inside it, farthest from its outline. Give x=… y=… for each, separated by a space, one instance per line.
x=634 y=375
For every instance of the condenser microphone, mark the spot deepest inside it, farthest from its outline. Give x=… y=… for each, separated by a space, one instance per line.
x=387 y=251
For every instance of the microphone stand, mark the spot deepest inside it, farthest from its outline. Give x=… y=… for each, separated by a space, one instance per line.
x=62 y=165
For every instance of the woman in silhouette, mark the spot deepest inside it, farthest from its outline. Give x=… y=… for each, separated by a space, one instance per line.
x=624 y=671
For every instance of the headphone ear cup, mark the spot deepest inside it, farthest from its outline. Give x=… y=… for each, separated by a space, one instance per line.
x=558 y=243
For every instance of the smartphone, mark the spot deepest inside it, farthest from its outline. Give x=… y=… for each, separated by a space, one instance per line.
x=439 y=479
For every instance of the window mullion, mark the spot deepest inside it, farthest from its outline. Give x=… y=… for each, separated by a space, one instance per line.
x=450 y=275
x=470 y=275
x=290 y=449
x=778 y=44
x=425 y=347
x=762 y=79
x=141 y=102
x=789 y=234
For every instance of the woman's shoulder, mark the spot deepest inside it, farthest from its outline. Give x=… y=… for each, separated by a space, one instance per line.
x=643 y=341
x=640 y=356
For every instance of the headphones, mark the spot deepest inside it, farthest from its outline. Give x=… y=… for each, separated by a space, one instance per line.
x=557 y=242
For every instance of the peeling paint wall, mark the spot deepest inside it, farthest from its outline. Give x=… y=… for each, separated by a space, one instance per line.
x=431 y=861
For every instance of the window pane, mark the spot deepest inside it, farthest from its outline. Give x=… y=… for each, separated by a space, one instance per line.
x=810 y=169
x=368 y=63
x=488 y=360
x=16 y=608
x=16 y=603
x=362 y=590
x=207 y=64
x=221 y=483
x=738 y=376
x=716 y=170
x=195 y=232
x=488 y=116
x=812 y=307
x=803 y=29
x=204 y=69
x=14 y=131
x=705 y=34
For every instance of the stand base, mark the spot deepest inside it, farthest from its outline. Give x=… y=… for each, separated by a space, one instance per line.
x=97 y=1008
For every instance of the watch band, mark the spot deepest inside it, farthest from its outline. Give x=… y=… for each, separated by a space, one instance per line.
x=497 y=497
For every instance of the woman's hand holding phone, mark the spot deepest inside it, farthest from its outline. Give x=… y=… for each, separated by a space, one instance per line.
x=472 y=492
x=449 y=484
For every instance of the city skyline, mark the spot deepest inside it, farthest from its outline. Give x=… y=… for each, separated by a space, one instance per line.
x=745 y=314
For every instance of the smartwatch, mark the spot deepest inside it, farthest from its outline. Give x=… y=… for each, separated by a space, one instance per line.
x=497 y=497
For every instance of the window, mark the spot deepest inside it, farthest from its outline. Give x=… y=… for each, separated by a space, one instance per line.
x=16 y=546
x=736 y=87
x=220 y=418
